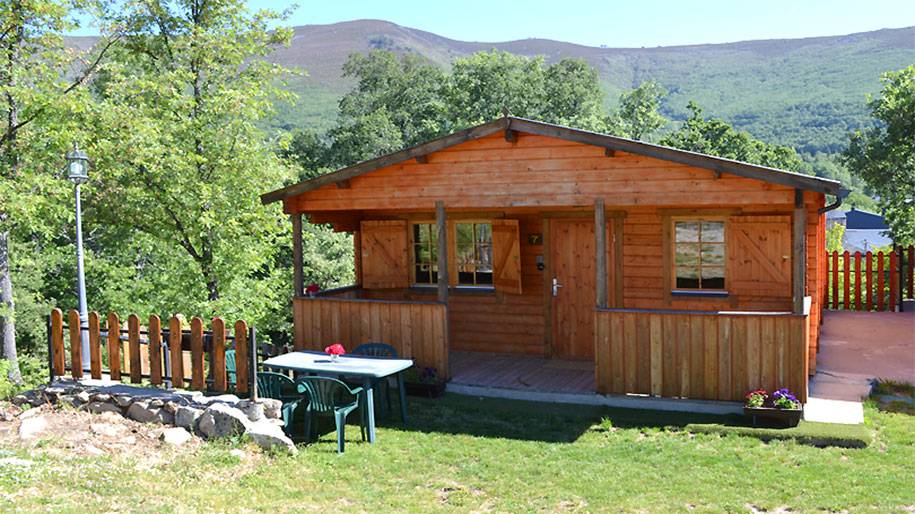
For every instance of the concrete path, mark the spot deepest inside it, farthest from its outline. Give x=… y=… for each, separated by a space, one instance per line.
x=856 y=347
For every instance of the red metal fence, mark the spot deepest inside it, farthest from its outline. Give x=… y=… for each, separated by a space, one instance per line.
x=869 y=281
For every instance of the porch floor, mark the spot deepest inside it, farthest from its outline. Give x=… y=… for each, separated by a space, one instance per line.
x=522 y=372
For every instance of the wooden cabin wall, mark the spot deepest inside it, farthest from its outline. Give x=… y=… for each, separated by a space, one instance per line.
x=536 y=171
x=495 y=321
x=538 y=174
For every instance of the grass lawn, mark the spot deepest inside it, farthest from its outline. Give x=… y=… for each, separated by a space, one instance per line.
x=466 y=454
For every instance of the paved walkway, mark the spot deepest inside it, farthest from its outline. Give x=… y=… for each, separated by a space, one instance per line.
x=856 y=347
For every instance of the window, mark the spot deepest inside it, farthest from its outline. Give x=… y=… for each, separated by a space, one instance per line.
x=473 y=254
x=425 y=254
x=699 y=255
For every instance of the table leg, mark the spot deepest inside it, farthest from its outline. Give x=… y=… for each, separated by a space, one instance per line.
x=403 y=398
x=369 y=407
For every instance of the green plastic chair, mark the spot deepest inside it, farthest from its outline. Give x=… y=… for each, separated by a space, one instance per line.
x=282 y=388
x=381 y=388
x=230 y=367
x=331 y=397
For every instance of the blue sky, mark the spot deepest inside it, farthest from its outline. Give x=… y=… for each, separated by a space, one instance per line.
x=614 y=23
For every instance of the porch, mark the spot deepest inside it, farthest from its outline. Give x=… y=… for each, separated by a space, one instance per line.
x=697 y=355
x=522 y=372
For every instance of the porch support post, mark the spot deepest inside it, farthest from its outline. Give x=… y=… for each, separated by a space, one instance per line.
x=798 y=253
x=298 y=280
x=600 y=239
x=442 y=251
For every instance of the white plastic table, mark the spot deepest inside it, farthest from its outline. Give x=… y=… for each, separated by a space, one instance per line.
x=370 y=369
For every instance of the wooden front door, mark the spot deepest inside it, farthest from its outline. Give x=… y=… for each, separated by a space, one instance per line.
x=572 y=258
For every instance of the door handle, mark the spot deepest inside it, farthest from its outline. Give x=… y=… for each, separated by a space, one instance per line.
x=556 y=286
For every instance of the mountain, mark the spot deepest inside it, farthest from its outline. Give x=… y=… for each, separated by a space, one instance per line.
x=808 y=93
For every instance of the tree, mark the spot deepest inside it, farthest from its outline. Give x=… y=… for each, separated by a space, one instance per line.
x=184 y=158
x=717 y=137
x=638 y=116
x=40 y=88
x=884 y=156
x=399 y=102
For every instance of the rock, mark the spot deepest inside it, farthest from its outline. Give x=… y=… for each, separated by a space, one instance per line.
x=106 y=429
x=186 y=417
x=165 y=417
x=53 y=393
x=110 y=416
x=156 y=402
x=92 y=450
x=82 y=397
x=69 y=400
x=123 y=401
x=129 y=440
x=220 y=420
x=238 y=453
x=98 y=407
x=101 y=397
x=31 y=427
x=20 y=399
x=10 y=413
x=273 y=408
x=34 y=411
x=171 y=407
x=222 y=398
x=141 y=411
x=267 y=435
x=254 y=410
x=175 y=436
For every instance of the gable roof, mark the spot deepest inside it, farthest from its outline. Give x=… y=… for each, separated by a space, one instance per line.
x=511 y=123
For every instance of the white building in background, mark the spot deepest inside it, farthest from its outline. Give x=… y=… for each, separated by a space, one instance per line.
x=864 y=231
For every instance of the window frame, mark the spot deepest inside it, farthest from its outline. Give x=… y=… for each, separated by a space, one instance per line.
x=672 y=252
x=454 y=273
x=413 y=263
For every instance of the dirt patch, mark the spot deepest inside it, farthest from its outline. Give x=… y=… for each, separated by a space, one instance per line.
x=79 y=433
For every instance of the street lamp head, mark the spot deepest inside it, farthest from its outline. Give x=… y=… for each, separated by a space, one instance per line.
x=77 y=166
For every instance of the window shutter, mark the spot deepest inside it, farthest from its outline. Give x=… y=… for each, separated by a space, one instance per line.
x=385 y=254
x=759 y=256
x=506 y=256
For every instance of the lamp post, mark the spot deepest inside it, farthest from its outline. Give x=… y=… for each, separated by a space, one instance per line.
x=78 y=173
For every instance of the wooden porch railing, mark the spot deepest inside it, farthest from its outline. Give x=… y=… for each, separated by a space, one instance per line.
x=155 y=352
x=701 y=355
x=418 y=330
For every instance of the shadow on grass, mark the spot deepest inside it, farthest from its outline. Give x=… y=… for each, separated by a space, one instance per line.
x=532 y=421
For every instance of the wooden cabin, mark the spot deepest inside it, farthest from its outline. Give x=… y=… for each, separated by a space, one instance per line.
x=676 y=274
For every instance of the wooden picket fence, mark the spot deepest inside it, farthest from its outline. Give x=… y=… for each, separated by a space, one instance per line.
x=160 y=355
x=869 y=281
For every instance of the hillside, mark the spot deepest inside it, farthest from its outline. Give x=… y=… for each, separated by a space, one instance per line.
x=807 y=93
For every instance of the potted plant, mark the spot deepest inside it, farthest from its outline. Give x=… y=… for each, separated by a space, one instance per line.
x=423 y=381
x=781 y=407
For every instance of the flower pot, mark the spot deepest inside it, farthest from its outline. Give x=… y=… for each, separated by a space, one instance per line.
x=772 y=416
x=426 y=390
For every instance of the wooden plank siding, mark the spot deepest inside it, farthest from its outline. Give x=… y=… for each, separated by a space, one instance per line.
x=700 y=355
x=535 y=178
x=417 y=330
x=536 y=171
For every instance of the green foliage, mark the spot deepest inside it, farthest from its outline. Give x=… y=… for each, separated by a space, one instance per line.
x=835 y=236
x=717 y=137
x=639 y=114
x=33 y=369
x=399 y=102
x=884 y=156
x=182 y=154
